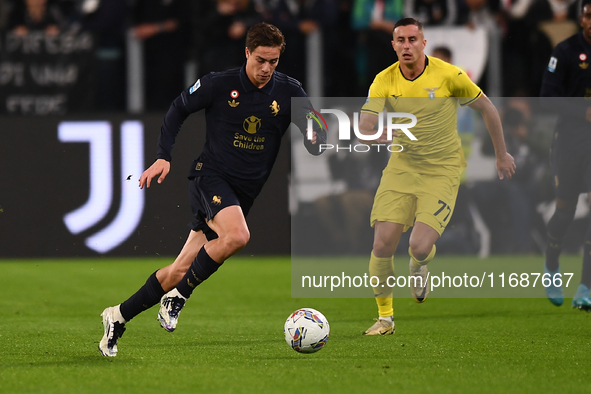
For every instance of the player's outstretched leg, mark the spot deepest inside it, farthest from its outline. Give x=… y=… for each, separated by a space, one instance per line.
x=419 y=276
x=114 y=326
x=171 y=305
x=115 y=317
x=174 y=301
x=421 y=250
x=554 y=293
x=581 y=299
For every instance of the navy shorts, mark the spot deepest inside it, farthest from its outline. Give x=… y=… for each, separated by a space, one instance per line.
x=208 y=196
x=571 y=173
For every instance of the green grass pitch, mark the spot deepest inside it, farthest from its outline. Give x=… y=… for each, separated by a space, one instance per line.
x=230 y=337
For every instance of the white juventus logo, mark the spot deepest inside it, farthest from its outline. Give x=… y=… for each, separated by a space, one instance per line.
x=99 y=137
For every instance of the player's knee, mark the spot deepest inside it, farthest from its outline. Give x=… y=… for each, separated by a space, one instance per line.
x=236 y=240
x=382 y=248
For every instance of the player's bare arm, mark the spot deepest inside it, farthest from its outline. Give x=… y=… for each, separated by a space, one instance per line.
x=160 y=168
x=505 y=162
x=367 y=124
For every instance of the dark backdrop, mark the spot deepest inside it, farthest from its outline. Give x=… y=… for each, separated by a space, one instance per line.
x=42 y=178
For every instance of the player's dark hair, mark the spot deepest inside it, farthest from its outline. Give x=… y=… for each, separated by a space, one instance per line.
x=408 y=22
x=583 y=4
x=445 y=51
x=264 y=35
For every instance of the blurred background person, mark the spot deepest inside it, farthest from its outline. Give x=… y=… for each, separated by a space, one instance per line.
x=31 y=15
x=108 y=21
x=478 y=13
x=344 y=216
x=5 y=7
x=221 y=32
x=297 y=19
x=516 y=52
x=548 y=22
x=460 y=236
x=164 y=28
x=509 y=208
x=374 y=20
x=432 y=12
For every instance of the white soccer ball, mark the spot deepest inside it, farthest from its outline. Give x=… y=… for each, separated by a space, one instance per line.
x=306 y=330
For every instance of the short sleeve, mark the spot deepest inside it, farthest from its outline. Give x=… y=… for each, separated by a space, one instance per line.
x=376 y=97
x=463 y=87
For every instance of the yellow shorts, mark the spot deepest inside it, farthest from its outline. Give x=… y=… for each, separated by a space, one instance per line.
x=408 y=197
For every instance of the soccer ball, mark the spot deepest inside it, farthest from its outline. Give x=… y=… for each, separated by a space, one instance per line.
x=306 y=330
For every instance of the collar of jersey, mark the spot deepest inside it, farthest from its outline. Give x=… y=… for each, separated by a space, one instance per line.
x=248 y=86
x=418 y=76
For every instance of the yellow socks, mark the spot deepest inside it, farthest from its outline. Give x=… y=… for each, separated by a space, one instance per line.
x=382 y=267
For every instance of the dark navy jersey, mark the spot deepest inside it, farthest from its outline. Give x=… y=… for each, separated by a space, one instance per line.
x=569 y=75
x=244 y=126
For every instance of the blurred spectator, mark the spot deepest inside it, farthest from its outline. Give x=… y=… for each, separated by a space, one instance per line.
x=344 y=217
x=516 y=56
x=509 y=206
x=222 y=30
x=479 y=13
x=375 y=19
x=298 y=18
x=432 y=12
x=108 y=19
x=442 y=52
x=542 y=19
x=460 y=236
x=164 y=28
x=342 y=65
x=551 y=10
x=29 y=15
x=484 y=14
x=5 y=7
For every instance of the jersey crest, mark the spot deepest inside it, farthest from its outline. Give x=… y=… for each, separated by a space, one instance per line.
x=274 y=108
x=552 y=64
x=431 y=92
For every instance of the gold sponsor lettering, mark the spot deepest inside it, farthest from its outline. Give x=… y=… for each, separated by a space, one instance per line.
x=241 y=137
x=251 y=142
x=248 y=145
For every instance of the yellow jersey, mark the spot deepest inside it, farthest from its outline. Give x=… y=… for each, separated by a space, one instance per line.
x=433 y=98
